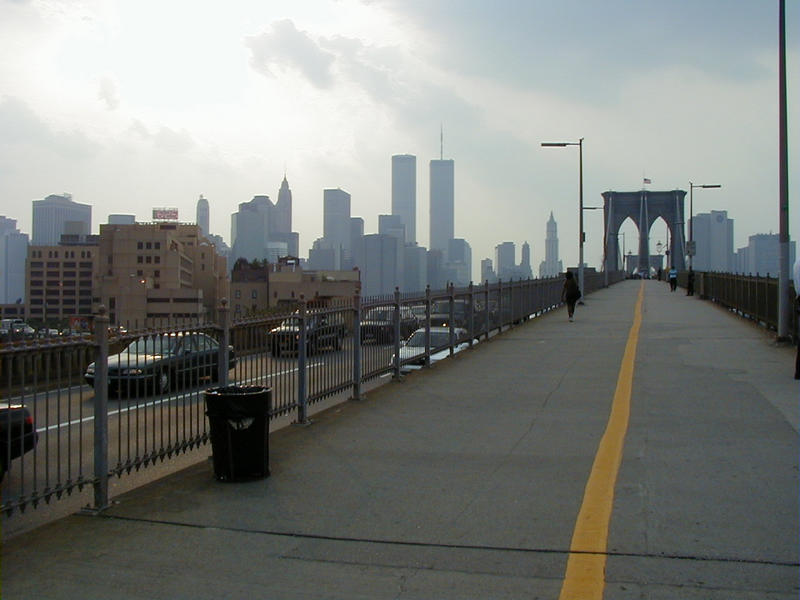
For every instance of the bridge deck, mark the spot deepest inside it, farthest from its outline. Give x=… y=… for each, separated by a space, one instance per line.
x=466 y=481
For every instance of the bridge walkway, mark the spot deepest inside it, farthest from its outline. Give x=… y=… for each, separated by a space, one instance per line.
x=520 y=469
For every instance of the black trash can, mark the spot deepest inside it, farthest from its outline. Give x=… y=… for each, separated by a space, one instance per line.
x=238 y=417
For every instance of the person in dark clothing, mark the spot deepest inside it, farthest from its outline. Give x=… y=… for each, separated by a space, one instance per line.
x=570 y=294
x=690 y=283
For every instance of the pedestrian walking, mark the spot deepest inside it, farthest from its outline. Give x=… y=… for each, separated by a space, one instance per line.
x=673 y=279
x=690 y=283
x=570 y=294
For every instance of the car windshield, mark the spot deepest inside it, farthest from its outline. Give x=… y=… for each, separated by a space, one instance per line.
x=153 y=345
x=438 y=338
x=443 y=307
x=380 y=314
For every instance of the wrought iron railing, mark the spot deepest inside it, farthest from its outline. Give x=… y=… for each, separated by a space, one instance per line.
x=132 y=409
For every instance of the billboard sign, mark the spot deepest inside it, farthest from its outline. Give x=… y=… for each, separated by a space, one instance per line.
x=165 y=214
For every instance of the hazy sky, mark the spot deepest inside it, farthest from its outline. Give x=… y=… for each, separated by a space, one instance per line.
x=130 y=105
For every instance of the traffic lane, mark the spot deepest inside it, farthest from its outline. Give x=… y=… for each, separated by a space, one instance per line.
x=707 y=495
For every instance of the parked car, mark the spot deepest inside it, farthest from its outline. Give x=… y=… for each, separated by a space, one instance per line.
x=378 y=324
x=161 y=362
x=413 y=349
x=323 y=330
x=440 y=313
x=17 y=434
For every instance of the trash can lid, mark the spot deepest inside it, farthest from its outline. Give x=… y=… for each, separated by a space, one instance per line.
x=237 y=390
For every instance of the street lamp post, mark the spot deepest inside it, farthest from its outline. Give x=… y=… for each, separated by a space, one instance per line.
x=691 y=216
x=581 y=236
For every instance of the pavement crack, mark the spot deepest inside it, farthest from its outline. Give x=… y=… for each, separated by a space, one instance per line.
x=453 y=546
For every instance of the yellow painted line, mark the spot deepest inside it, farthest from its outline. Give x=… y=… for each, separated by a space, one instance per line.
x=585 y=576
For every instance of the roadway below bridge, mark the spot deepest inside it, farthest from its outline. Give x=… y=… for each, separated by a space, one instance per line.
x=647 y=450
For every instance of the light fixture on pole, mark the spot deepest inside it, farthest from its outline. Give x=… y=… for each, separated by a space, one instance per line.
x=581 y=236
x=691 y=217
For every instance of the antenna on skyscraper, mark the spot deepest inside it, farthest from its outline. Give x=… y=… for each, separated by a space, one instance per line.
x=441 y=141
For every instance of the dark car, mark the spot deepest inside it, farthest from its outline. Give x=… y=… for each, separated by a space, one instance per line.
x=378 y=324
x=323 y=330
x=440 y=313
x=161 y=362
x=17 y=434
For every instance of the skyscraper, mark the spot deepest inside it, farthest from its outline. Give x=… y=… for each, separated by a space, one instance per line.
x=13 y=253
x=504 y=259
x=404 y=193
x=442 y=198
x=202 y=215
x=56 y=215
x=713 y=236
x=525 y=266
x=551 y=266
x=250 y=230
x=282 y=213
x=336 y=222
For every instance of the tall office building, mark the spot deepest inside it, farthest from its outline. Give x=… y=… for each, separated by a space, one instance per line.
x=551 y=266
x=459 y=262
x=13 y=252
x=525 y=266
x=282 y=221
x=404 y=193
x=415 y=268
x=442 y=200
x=383 y=264
x=59 y=214
x=336 y=222
x=504 y=259
x=250 y=230
x=713 y=236
x=392 y=225
x=487 y=271
x=356 y=243
x=202 y=215
x=761 y=255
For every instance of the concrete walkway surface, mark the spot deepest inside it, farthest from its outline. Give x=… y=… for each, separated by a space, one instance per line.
x=465 y=480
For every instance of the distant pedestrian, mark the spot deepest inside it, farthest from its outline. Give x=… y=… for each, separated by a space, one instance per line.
x=673 y=279
x=690 y=283
x=660 y=273
x=570 y=294
x=796 y=277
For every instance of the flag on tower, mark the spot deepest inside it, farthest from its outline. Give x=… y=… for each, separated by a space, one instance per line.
x=646 y=180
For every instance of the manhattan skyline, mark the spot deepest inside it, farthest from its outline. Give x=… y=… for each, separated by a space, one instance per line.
x=326 y=92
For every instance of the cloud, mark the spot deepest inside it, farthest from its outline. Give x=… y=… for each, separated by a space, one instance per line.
x=166 y=139
x=21 y=126
x=107 y=92
x=284 y=46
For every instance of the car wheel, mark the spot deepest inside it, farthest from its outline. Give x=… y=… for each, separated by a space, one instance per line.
x=163 y=382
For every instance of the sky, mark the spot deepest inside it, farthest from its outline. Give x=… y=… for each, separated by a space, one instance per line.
x=131 y=105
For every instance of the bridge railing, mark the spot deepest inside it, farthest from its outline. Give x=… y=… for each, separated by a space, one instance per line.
x=131 y=410
x=753 y=297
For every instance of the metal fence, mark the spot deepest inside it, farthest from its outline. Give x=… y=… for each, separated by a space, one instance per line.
x=78 y=411
x=750 y=296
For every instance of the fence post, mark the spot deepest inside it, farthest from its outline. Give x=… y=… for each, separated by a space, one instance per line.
x=428 y=325
x=101 y=321
x=500 y=303
x=356 y=347
x=302 y=344
x=451 y=297
x=224 y=342
x=396 y=336
x=486 y=304
x=471 y=313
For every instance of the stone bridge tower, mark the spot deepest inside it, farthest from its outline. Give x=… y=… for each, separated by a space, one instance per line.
x=644 y=207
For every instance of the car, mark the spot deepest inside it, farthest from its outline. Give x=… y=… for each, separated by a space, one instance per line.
x=378 y=324
x=323 y=330
x=412 y=352
x=161 y=362
x=17 y=434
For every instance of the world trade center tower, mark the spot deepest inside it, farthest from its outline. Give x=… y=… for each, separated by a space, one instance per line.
x=404 y=193
x=442 y=204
